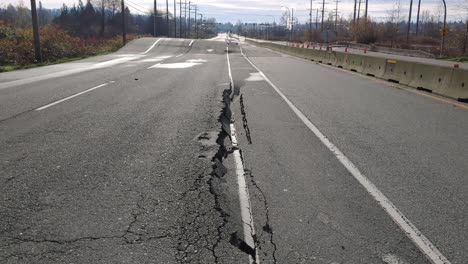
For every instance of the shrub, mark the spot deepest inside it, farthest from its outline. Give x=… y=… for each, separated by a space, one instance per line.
x=16 y=45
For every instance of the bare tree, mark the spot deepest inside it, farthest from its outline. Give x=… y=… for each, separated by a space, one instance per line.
x=114 y=6
x=424 y=20
x=102 y=4
x=393 y=21
x=284 y=19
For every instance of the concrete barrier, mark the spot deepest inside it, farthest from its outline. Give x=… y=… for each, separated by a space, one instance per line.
x=396 y=71
x=374 y=66
x=355 y=62
x=340 y=59
x=446 y=81
x=431 y=78
x=458 y=86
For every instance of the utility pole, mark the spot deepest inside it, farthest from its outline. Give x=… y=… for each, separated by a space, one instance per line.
x=466 y=38
x=336 y=15
x=124 y=33
x=167 y=17
x=292 y=23
x=316 y=19
x=196 y=25
x=37 y=43
x=359 y=11
x=154 y=18
x=409 y=21
x=310 y=22
x=323 y=14
x=198 y=29
x=175 y=20
x=185 y=19
x=444 y=30
x=180 y=18
x=189 y=10
x=417 y=18
x=365 y=12
x=354 y=13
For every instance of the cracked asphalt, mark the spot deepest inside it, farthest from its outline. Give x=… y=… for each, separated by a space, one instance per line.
x=127 y=173
x=306 y=206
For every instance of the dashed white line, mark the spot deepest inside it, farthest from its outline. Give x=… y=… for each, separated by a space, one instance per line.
x=70 y=97
x=152 y=46
x=191 y=43
x=411 y=231
x=244 y=199
x=179 y=55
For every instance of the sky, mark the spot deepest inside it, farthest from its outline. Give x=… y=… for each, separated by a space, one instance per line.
x=262 y=11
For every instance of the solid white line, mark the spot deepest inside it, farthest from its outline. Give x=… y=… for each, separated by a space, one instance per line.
x=152 y=46
x=244 y=198
x=70 y=97
x=231 y=81
x=191 y=43
x=426 y=246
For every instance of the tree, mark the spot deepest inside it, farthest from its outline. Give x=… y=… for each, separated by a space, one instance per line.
x=114 y=6
x=394 y=18
x=102 y=4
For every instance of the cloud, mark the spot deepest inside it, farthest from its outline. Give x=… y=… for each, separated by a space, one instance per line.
x=268 y=10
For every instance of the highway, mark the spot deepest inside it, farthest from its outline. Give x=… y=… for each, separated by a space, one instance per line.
x=217 y=151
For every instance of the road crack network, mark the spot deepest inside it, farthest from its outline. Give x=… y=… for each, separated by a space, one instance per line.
x=267 y=227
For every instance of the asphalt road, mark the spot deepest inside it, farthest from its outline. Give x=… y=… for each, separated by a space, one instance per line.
x=131 y=158
x=122 y=173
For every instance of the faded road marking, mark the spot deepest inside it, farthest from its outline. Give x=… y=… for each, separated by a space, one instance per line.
x=156 y=59
x=255 y=77
x=179 y=65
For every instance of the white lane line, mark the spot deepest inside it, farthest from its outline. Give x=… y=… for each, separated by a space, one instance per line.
x=70 y=97
x=418 y=238
x=179 y=55
x=152 y=46
x=244 y=198
x=191 y=43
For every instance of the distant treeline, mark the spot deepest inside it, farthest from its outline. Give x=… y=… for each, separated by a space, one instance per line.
x=81 y=30
x=102 y=18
